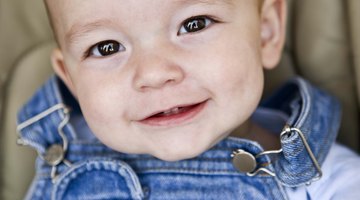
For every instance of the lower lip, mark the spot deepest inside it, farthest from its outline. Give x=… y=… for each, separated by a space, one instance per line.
x=175 y=119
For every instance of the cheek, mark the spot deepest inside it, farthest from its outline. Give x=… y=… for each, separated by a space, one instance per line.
x=235 y=68
x=99 y=98
x=235 y=78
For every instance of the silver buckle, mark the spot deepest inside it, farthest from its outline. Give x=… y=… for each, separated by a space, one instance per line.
x=246 y=162
x=287 y=129
x=55 y=154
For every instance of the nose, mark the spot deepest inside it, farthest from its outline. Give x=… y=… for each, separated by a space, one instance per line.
x=155 y=72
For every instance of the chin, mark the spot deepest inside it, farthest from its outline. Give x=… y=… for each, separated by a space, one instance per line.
x=180 y=153
x=174 y=158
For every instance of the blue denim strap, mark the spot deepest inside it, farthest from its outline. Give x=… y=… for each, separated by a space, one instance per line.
x=316 y=116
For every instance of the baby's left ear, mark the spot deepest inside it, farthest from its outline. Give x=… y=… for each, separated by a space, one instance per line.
x=273 y=27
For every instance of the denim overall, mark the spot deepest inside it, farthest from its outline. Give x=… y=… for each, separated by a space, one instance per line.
x=74 y=166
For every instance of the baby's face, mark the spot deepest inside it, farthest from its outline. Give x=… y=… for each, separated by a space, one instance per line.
x=168 y=78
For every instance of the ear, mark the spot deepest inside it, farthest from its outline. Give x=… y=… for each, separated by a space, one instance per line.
x=58 y=64
x=273 y=27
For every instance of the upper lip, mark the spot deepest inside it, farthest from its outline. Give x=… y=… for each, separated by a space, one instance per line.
x=171 y=108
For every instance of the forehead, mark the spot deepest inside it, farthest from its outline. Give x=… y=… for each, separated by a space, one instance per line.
x=67 y=15
x=54 y=6
x=203 y=1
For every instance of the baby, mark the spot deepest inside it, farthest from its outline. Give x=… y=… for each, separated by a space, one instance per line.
x=148 y=92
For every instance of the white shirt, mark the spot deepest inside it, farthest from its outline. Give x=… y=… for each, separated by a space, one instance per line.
x=340 y=180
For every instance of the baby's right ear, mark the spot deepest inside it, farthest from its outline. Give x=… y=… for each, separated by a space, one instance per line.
x=59 y=66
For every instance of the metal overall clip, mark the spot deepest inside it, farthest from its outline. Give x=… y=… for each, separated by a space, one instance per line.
x=55 y=154
x=247 y=163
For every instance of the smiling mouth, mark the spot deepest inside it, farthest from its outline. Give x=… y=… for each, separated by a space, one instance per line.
x=174 y=116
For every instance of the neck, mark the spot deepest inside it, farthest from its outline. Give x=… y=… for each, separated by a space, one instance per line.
x=251 y=131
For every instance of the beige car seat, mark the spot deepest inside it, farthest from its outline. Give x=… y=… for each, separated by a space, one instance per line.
x=323 y=45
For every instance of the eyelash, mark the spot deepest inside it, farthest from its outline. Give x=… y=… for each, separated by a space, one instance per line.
x=197 y=23
x=110 y=45
x=194 y=22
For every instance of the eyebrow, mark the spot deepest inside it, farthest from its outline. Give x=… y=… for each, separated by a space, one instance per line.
x=78 y=30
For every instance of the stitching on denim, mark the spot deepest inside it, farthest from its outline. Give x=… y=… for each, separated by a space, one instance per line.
x=193 y=171
x=140 y=159
x=99 y=165
x=189 y=171
x=46 y=174
x=305 y=110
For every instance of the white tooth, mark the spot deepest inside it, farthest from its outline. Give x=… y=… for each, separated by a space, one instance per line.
x=175 y=110
x=171 y=111
x=167 y=112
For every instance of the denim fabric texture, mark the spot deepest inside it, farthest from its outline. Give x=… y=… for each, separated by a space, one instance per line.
x=90 y=170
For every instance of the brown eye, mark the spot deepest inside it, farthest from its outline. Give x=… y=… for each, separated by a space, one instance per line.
x=106 y=48
x=194 y=24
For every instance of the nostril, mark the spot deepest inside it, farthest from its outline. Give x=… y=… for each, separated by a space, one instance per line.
x=156 y=77
x=171 y=81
